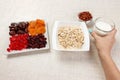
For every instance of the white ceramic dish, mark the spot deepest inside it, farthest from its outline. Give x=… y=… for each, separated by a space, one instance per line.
x=35 y=49
x=55 y=44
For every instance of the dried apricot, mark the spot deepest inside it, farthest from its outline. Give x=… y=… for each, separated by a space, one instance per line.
x=36 y=27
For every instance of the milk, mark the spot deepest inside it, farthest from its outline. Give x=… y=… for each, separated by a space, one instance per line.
x=102 y=28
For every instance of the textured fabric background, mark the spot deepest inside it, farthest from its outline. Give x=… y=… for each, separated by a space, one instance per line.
x=52 y=65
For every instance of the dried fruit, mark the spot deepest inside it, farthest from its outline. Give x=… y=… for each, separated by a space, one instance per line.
x=36 y=27
x=18 y=42
x=38 y=41
x=85 y=16
x=25 y=35
x=18 y=28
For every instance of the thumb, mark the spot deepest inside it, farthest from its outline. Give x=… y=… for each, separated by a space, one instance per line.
x=95 y=35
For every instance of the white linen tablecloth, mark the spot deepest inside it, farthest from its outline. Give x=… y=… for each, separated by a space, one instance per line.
x=52 y=65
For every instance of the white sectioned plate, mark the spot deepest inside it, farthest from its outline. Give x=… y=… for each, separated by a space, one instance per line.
x=82 y=25
x=35 y=49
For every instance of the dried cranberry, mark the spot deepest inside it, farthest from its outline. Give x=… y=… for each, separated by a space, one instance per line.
x=8 y=49
x=18 y=42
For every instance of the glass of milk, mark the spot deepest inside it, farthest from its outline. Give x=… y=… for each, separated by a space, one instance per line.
x=103 y=26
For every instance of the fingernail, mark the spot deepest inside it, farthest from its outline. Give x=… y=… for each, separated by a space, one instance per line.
x=90 y=30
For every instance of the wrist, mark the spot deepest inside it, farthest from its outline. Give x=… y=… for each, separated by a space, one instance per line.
x=104 y=53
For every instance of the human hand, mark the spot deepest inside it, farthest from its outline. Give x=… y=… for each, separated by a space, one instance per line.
x=104 y=43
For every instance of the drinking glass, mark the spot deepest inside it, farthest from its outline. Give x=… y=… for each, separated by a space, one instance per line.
x=103 y=26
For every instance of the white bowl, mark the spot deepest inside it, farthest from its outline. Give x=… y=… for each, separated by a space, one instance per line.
x=55 y=43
